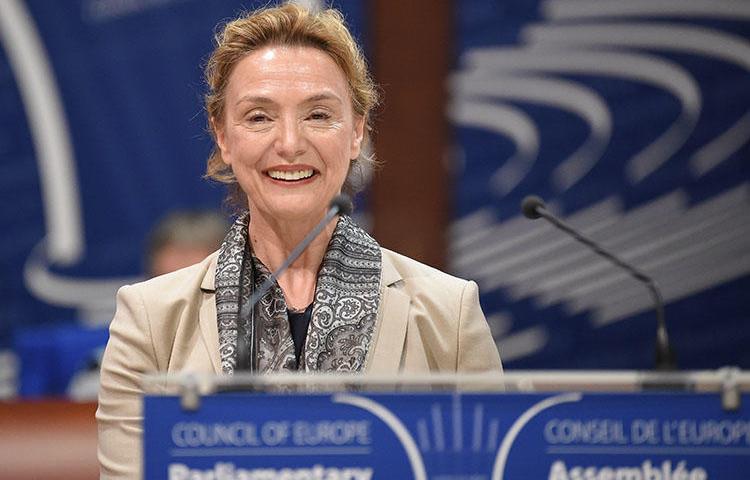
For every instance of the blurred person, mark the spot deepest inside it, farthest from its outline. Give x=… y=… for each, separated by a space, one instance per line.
x=180 y=239
x=8 y=374
x=288 y=105
x=183 y=238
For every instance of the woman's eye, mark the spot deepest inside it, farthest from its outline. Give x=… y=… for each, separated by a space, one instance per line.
x=320 y=116
x=257 y=118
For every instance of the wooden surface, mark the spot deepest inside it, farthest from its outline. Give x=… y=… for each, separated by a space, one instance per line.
x=50 y=439
x=411 y=47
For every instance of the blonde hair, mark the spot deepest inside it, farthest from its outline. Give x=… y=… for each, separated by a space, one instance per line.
x=289 y=25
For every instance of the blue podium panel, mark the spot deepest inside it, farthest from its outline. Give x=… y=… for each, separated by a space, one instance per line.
x=566 y=436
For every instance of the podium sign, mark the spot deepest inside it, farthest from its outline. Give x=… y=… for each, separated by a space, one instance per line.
x=447 y=436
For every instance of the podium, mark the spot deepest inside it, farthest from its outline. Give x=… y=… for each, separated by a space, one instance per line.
x=595 y=425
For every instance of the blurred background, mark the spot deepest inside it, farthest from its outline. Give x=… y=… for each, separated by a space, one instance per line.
x=630 y=117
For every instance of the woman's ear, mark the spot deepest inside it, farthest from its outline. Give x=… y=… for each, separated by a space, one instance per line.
x=219 y=133
x=357 y=135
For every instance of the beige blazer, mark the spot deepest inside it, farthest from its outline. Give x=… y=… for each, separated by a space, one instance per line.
x=428 y=321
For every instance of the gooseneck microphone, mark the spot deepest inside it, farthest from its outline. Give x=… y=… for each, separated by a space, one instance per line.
x=533 y=207
x=247 y=351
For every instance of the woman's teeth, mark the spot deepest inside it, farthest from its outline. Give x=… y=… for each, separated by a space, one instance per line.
x=290 y=175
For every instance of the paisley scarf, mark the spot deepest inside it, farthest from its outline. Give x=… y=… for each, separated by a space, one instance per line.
x=345 y=304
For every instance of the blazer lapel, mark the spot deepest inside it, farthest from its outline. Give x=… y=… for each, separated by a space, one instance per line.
x=393 y=318
x=207 y=316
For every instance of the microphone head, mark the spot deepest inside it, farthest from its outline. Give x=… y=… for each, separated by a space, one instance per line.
x=530 y=206
x=342 y=203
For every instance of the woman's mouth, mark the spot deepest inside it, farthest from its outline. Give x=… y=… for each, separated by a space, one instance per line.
x=291 y=175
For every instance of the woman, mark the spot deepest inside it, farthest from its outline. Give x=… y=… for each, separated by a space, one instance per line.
x=288 y=105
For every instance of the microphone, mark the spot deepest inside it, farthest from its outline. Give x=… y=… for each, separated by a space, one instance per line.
x=533 y=207
x=340 y=205
x=343 y=203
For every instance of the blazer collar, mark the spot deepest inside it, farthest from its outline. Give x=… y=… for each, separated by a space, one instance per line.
x=390 y=276
x=207 y=314
x=393 y=317
x=209 y=277
x=390 y=332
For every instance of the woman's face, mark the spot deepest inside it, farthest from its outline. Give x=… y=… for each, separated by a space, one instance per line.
x=289 y=131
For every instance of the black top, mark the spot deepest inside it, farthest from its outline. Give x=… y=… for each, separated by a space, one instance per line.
x=298 y=323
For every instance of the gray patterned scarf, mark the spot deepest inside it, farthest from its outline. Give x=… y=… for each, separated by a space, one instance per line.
x=344 y=311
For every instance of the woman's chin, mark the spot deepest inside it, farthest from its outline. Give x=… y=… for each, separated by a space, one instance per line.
x=291 y=204
x=293 y=212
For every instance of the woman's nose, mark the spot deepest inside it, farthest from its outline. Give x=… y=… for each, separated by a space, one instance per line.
x=290 y=142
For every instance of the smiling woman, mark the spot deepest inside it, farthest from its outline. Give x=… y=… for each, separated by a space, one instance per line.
x=289 y=26
x=288 y=105
x=288 y=134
